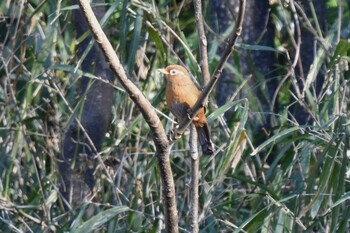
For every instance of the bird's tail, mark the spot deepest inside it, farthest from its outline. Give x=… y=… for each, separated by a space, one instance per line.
x=204 y=140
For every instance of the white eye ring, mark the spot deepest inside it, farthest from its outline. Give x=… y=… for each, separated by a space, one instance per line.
x=176 y=72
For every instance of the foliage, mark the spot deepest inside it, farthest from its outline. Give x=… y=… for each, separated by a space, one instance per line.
x=295 y=178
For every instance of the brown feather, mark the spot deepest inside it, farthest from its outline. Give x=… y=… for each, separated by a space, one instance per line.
x=181 y=95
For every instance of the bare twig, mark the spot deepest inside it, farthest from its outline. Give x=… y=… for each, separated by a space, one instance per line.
x=315 y=18
x=194 y=179
x=340 y=16
x=298 y=31
x=309 y=27
x=162 y=144
x=193 y=138
x=202 y=42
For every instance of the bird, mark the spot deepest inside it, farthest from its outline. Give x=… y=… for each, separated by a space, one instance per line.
x=181 y=95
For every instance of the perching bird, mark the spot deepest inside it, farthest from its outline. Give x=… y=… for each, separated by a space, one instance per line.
x=181 y=95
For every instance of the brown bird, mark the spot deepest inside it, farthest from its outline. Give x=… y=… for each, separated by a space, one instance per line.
x=181 y=95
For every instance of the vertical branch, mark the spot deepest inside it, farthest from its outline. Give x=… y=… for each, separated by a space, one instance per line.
x=194 y=179
x=202 y=42
x=149 y=114
x=194 y=138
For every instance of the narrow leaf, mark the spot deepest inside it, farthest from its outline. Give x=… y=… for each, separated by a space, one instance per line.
x=224 y=108
x=341 y=50
x=257 y=47
x=274 y=138
x=101 y=218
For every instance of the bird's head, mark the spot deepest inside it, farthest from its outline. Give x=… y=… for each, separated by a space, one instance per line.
x=175 y=72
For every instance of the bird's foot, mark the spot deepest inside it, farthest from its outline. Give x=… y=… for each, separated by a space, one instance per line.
x=190 y=115
x=173 y=134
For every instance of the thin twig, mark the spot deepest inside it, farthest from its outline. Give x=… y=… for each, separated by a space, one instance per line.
x=202 y=42
x=315 y=19
x=203 y=53
x=340 y=16
x=159 y=137
x=310 y=28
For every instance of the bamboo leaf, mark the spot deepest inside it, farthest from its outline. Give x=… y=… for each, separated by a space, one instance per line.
x=220 y=111
x=341 y=50
x=98 y=220
x=257 y=47
x=274 y=139
x=135 y=41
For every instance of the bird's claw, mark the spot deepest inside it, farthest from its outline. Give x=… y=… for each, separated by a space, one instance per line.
x=189 y=113
x=173 y=135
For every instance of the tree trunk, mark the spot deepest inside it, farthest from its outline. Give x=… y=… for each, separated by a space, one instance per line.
x=78 y=159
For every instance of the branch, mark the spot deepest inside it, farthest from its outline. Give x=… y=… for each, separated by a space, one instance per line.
x=159 y=137
x=194 y=179
x=230 y=46
x=202 y=42
x=193 y=136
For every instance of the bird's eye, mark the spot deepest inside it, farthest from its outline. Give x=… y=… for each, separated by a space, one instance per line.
x=173 y=72
x=176 y=72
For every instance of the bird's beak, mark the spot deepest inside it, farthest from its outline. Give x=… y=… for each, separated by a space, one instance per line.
x=163 y=71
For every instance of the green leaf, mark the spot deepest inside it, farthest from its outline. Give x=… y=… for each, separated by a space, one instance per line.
x=332 y=3
x=224 y=108
x=124 y=26
x=257 y=47
x=341 y=51
x=327 y=171
x=274 y=139
x=101 y=218
x=316 y=65
x=51 y=199
x=135 y=41
x=155 y=37
x=109 y=13
x=346 y=58
x=341 y=200
x=253 y=223
x=234 y=141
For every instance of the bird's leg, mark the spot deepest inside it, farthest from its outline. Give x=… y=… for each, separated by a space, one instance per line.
x=190 y=115
x=173 y=135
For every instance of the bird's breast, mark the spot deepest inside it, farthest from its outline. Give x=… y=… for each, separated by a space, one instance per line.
x=180 y=97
